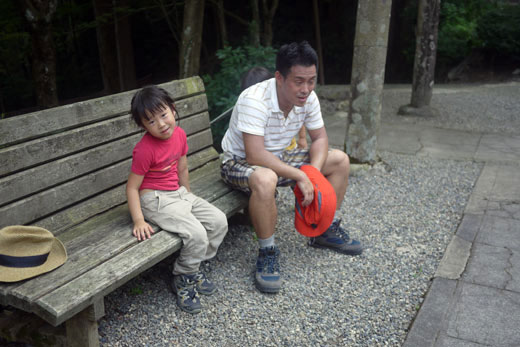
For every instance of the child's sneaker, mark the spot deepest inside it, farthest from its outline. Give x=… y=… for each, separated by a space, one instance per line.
x=337 y=239
x=187 y=297
x=203 y=284
x=267 y=277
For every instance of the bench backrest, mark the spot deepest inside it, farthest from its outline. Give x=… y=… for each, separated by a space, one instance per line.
x=61 y=166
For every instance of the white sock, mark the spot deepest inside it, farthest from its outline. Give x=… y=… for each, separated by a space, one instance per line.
x=266 y=242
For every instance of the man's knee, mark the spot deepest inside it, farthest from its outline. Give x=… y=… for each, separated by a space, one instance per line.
x=339 y=161
x=263 y=181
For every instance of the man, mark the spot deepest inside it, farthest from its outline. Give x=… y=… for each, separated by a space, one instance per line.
x=264 y=120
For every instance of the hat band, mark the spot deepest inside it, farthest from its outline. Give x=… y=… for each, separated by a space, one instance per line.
x=28 y=261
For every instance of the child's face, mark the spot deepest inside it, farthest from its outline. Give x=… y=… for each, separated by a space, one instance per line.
x=161 y=124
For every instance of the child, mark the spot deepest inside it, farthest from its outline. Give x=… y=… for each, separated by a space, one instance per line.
x=258 y=74
x=158 y=190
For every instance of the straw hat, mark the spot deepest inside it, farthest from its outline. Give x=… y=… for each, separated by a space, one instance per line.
x=28 y=251
x=314 y=219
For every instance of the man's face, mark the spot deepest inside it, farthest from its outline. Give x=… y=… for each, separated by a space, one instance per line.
x=296 y=87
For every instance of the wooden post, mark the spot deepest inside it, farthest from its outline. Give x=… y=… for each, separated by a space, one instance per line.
x=82 y=329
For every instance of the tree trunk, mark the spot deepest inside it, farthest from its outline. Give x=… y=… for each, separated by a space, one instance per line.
x=368 y=72
x=425 y=52
x=124 y=48
x=268 y=12
x=174 y=29
x=105 y=40
x=254 y=26
x=38 y=14
x=321 y=71
x=221 y=20
x=116 y=55
x=189 y=57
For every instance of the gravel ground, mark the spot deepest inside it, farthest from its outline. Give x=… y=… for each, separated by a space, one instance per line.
x=489 y=108
x=405 y=213
x=405 y=217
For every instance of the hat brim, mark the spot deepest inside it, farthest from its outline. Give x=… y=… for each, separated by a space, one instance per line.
x=57 y=257
x=306 y=230
x=328 y=197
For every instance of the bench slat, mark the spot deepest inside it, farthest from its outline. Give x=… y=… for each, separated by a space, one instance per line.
x=44 y=203
x=97 y=240
x=45 y=149
x=88 y=245
x=76 y=295
x=39 y=205
x=113 y=197
x=42 y=150
x=52 y=173
x=78 y=213
x=211 y=188
x=23 y=127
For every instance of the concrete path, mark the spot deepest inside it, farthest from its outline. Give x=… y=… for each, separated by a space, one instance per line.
x=474 y=298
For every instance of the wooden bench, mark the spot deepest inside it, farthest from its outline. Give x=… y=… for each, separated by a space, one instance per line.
x=65 y=169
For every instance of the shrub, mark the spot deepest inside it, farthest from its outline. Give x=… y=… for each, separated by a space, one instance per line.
x=223 y=88
x=499 y=31
x=458 y=29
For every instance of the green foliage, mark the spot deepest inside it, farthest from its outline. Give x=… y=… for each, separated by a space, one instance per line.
x=478 y=24
x=136 y=290
x=499 y=30
x=458 y=28
x=223 y=88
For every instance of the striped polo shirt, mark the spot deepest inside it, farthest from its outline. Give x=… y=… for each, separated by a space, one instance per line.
x=257 y=112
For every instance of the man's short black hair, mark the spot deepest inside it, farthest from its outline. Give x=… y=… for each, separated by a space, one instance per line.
x=149 y=99
x=293 y=54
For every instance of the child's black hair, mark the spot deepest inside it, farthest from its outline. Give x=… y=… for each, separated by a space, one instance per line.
x=150 y=99
x=253 y=76
x=293 y=54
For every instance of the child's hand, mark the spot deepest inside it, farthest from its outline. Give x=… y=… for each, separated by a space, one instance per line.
x=302 y=142
x=142 y=231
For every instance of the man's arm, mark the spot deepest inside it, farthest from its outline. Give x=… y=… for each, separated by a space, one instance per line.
x=319 y=147
x=256 y=154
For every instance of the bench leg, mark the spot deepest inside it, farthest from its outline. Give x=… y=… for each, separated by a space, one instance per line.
x=82 y=329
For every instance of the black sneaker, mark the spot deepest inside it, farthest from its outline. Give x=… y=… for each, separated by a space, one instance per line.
x=267 y=277
x=187 y=297
x=203 y=284
x=337 y=239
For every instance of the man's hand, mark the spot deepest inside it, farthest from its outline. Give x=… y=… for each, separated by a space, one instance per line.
x=142 y=230
x=307 y=190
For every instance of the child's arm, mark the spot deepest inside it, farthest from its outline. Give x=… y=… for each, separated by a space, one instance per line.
x=302 y=138
x=182 y=169
x=141 y=230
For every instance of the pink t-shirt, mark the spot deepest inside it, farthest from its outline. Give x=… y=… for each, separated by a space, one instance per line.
x=157 y=160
